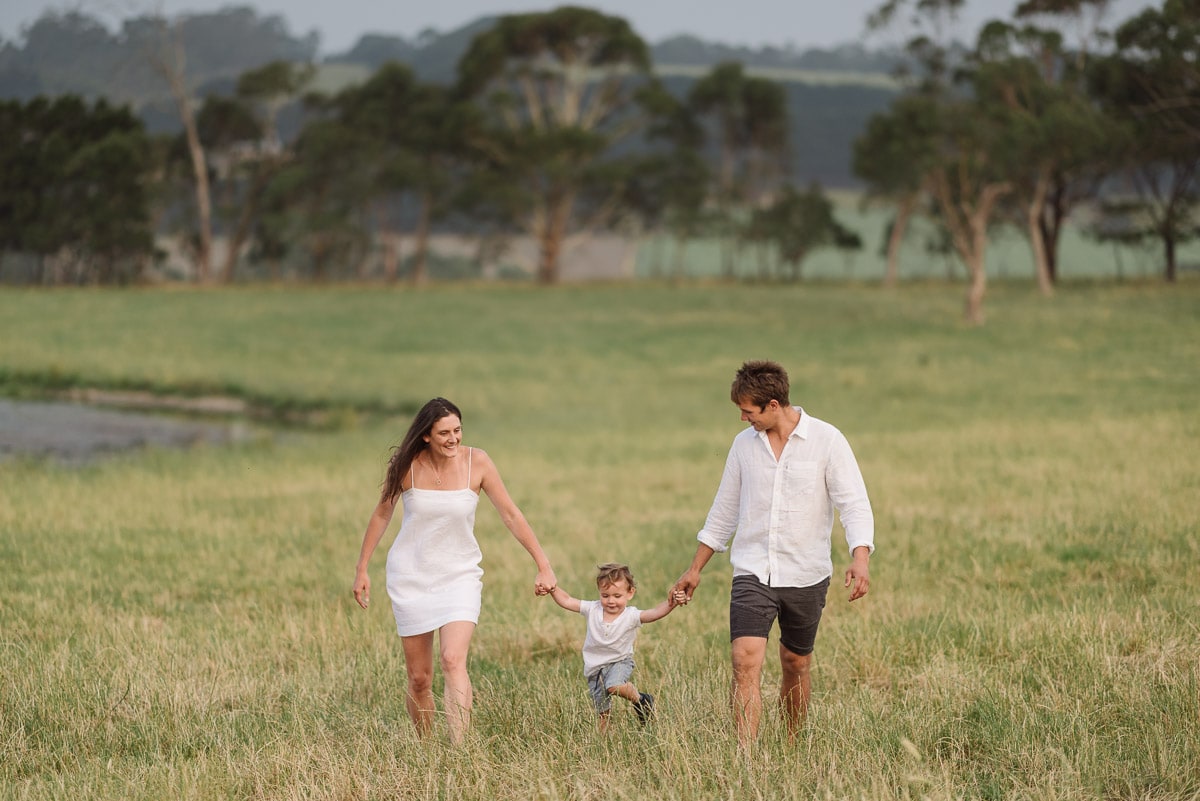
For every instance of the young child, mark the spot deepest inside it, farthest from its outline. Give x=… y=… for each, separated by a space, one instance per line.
x=612 y=626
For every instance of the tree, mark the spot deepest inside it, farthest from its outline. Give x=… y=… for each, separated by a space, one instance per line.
x=748 y=118
x=166 y=54
x=894 y=157
x=971 y=149
x=666 y=188
x=968 y=178
x=1059 y=137
x=318 y=198
x=1151 y=84
x=801 y=222
x=242 y=135
x=558 y=91
x=75 y=188
x=415 y=134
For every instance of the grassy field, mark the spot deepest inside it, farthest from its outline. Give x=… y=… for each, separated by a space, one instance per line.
x=1081 y=257
x=178 y=624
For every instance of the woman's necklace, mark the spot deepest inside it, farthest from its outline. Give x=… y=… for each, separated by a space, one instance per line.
x=437 y=477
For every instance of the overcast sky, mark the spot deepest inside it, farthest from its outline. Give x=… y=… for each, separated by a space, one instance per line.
x=803 y=23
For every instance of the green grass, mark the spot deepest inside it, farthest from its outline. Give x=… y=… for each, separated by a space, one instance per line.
x=178 y=624
x=1081 y=257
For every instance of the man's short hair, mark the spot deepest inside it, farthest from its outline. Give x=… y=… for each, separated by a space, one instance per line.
x=761 y=382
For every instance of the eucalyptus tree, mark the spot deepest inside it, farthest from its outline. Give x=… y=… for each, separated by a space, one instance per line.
x=318 y=198
x=75 y=188
x=163 y=48
x=1058 y=135
x=969 y=139
x=801 y=222
x=257 y=153
x=413 y=133
x=894 y=156
x=231 y=133
x=748 y=118
x=243 y=150
x=666 y=187
x=558 y=92
x=1151 y=84
x=266 y=90
x=971 y=174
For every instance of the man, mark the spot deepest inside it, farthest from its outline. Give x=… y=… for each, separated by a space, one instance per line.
x=783 y=478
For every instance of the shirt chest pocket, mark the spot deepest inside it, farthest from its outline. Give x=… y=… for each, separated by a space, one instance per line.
x=799 y=485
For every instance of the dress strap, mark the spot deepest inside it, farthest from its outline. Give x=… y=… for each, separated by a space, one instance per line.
x=470 y=453
x=412 y=481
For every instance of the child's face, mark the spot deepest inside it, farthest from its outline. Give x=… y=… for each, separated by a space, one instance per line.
x=615 y=596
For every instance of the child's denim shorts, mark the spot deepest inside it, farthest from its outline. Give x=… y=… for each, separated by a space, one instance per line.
x=614 y=674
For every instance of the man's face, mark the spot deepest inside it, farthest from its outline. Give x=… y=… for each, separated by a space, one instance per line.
x=763 y=418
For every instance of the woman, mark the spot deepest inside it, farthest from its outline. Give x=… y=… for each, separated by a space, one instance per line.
x=433 y=572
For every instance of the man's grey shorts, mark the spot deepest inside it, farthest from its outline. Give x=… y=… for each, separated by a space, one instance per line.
x=614 y=674
x=753 y=608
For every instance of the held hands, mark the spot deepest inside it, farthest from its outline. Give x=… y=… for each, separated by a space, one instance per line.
x=681 y=593
x=545 y=582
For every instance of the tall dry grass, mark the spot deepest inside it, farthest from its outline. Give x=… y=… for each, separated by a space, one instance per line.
x=178 y=624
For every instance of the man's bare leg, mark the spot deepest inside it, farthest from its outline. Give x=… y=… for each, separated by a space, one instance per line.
x=746 y=694
x=795 y=689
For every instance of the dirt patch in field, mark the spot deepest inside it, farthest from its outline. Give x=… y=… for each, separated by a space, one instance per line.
x=74 y=432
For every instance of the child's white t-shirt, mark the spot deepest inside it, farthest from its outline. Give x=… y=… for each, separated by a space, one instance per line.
x=607 y=642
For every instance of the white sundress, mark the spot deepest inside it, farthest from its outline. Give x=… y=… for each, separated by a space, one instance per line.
x=433 y=573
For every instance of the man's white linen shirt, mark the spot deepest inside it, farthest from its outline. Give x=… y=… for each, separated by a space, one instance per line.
x=782 y=510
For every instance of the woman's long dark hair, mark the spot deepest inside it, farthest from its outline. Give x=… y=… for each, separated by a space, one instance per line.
x=413 y=443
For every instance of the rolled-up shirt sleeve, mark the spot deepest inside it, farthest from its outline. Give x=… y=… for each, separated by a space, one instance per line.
x=722 y=521
x=848 y=492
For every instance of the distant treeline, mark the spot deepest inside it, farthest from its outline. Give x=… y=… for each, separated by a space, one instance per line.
x=75 y=53
x=556 y=124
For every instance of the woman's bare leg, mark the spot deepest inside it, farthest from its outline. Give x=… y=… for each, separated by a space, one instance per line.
x=418 y=663
x=455 y=641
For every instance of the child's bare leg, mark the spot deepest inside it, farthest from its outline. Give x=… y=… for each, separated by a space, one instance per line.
x=627 y=691
x=643 y=703
x=602 y=719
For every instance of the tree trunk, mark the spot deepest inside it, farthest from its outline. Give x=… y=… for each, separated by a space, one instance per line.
x=891 y=275
x=558 y=212
x=420 y=267
x=320 y=255
x=390 y=244
x=976 y=289
x=1054 y=214
x=203 y=198
x=967 y=220
x=1171 y=274
x=245 y=224
x=170 y=63
x=391 y=255
x=1037 y=243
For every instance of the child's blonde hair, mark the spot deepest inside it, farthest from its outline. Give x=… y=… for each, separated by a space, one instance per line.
x=612 y=572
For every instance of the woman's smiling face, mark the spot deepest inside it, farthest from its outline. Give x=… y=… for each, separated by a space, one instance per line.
x=444 y=436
